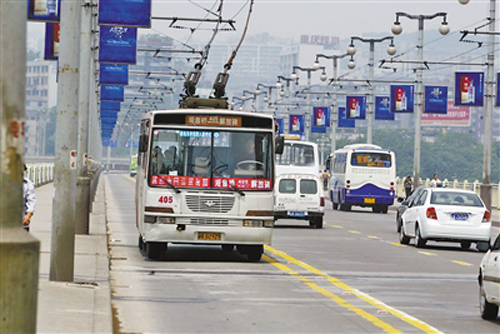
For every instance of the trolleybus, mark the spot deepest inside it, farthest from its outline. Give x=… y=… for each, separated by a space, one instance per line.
x=205 y=176
x=362 y=175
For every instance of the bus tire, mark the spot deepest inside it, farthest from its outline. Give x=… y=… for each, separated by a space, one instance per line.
x=254 y=253
x=154 y=250
x=385 y=209
x=345 y=207
x=335 y=206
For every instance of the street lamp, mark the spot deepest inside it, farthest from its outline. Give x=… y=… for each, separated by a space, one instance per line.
x=397 y=29
x=333 y=121
x=486 y=187
x=294 y=76
x=351 y=50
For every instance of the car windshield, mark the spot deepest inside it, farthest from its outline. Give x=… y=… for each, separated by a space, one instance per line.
x=455 y=198
x=211 y=159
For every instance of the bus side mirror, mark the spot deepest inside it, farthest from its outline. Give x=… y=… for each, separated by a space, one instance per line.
x=279 y=144
x=143 y=143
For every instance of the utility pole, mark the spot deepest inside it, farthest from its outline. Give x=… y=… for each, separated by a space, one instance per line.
x=63 y=208
x=19 y=250
x=83 y=180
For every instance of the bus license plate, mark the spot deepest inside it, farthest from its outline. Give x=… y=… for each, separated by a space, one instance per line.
x=209 y=236
x=369 y=200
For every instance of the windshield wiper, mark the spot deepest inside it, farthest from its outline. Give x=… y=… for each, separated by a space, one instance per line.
x=236 y=189
x=177 y=190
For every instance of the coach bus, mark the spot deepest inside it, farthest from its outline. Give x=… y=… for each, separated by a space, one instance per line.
x=362 y=175
x=205 y=176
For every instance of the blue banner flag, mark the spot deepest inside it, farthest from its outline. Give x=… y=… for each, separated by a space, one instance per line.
x=343 y=121
x=281 y=124
x=110 y=106
x=356 y=107
x=320 y=119
x=52 y=38
x=118 y=45
x=402 y=98
x=469 y=88
x=436 y=99
x=130 y=13
x=113 y=74
x=109 y=114
x=297 y=124
x=112 y=93
x=382 y=108
x=44 y=10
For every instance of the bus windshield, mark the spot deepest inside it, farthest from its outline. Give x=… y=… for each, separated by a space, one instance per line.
x=296 y=155
x=211 y=159
x=371 y=159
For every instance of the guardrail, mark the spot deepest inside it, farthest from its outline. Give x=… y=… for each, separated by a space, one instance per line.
x=474 y=186
x=40 y=174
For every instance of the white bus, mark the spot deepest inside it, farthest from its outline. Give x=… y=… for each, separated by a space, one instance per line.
x=205 y=176
x=298 y=157
x=362 y=175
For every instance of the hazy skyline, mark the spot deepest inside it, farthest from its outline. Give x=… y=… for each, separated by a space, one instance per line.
x=290 y=19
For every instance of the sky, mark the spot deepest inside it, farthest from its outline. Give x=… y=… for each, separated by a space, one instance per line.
x=292 y=18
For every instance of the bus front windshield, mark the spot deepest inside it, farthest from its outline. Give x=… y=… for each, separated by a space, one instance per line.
x=211 y=159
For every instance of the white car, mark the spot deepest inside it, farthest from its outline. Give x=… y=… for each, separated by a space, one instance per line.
x=450 y=215
x=489 y=282
x=300 y=196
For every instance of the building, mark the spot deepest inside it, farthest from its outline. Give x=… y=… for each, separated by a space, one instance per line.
x=41 y=96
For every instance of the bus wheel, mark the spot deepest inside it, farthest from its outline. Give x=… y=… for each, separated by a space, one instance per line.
x=254 y=253
x=141 y=243
x=154 y=250
x=385 y=208
x=335 y=206
x=345 y=207
x=227 y=248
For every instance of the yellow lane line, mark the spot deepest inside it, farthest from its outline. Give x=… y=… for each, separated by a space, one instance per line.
x=354 y=231
x=373 y=237
x=427 y=253
x=370 y=300
x=337 y=226
x=367 y=316
x=398 y=244
x=462 y=263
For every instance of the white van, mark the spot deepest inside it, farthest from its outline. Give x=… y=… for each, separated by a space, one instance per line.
x=299 y=196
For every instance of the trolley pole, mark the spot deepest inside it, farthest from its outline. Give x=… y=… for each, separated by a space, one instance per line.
x=63 y=208
x=19 y=250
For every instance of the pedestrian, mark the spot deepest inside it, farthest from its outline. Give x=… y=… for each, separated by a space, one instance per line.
x=408 y=185
x=435 y=182
x=29 y=201
x=326 y=179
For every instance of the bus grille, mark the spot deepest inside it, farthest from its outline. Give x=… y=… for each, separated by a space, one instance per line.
x=202 y=221
x=211 y=204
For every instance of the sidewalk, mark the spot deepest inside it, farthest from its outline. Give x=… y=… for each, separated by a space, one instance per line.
x=84 y=305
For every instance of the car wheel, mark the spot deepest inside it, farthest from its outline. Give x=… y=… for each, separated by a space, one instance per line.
x=488 y=311
x=465 y=245
x=254 y=253
x=483 y=246
x=403 y=239
x=318 y=222
x=419 y=241
x=398 y=224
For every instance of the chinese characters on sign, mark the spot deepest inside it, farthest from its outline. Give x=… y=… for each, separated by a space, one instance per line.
x=213 y=120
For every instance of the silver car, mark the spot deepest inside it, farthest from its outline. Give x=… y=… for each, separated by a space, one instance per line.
x=450 y=215
x=489 y=282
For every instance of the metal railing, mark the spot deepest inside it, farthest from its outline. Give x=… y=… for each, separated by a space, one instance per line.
x=474 y=186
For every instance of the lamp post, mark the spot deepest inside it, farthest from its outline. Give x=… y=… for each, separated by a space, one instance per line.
x=396 y=30
x=333 y=121
x=294 y=76
x=485 y=189
x=351 y=50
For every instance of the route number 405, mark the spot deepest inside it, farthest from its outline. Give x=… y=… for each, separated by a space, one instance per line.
x=166 y=199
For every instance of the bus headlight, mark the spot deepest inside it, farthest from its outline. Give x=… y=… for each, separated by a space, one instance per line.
x=149 y=219
x=166 y=220
x=268 y=223
x=253 y=223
